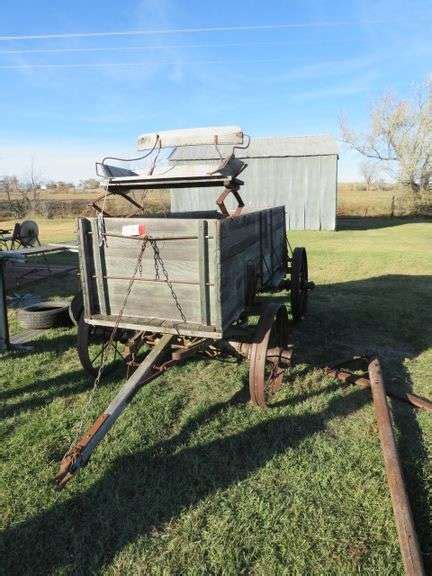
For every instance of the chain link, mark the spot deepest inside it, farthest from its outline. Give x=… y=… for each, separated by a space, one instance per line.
x=159 y=265
x=108 y=344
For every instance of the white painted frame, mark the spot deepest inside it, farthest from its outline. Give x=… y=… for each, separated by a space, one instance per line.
x=192 y=137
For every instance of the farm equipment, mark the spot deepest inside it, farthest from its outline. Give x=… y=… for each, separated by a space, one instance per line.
x=24 y=235
x=157 y=290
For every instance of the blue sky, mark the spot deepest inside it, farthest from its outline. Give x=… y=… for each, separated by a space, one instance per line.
x=101 y=72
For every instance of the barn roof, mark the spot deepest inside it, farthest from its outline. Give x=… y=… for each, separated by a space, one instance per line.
x=268 y=147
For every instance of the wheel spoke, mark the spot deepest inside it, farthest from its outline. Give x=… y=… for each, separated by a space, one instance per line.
x=268 y=357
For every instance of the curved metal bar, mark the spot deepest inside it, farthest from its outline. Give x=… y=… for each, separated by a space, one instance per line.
x=243 y=147
x=133 y=159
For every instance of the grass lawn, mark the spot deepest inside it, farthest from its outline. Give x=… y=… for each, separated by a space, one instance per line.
x=193 y=480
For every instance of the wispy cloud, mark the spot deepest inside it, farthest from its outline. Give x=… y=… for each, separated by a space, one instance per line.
x=250 y=44
x=301 y=71
x=203 y=29
x=348 y=88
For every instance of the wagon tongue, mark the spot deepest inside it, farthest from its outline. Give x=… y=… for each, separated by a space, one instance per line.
x=78 y=455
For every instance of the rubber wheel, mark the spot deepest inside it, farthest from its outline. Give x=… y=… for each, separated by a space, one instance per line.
x=299 y=284
x=44 y=315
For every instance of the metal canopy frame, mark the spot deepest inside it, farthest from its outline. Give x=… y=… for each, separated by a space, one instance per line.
x=121 y=181
x=123 y=185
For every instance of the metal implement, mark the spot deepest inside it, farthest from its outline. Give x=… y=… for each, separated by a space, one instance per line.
x=401 y=507
x=22 y=235
x=341 y=373
x=373 y=379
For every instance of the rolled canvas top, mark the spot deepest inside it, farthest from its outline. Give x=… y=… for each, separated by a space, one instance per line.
x=192 y=137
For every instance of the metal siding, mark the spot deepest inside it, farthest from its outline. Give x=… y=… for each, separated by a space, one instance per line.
x=268 y=147
x=328 y=183
x=305 y=185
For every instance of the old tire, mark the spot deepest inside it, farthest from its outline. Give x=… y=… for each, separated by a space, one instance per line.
x=44 y=315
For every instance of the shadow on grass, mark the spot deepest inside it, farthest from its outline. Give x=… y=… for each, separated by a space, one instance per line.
x=58 y=387
x=145 y=490
x=45 y=390
x=391 y=316
x=374 y=223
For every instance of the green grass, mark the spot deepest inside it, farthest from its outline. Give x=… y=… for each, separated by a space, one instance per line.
x=193 y=480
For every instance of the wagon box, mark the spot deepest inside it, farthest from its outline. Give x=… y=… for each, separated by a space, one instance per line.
x=196 y=274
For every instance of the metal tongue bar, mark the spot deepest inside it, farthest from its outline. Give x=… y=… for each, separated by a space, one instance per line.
x=80 y=453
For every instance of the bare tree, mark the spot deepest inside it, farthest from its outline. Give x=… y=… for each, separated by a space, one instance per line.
x=399 y=137
x=23 y=196
x=30 y=191
x=369 y=171
x=12 y=189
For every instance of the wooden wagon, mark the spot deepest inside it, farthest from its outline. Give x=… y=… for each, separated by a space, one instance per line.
x=156 y=290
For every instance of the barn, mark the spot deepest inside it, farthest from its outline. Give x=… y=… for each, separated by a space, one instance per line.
x=297 y=172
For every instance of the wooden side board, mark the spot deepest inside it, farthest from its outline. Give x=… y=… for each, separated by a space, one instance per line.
x=193 y=271
x=253 y=242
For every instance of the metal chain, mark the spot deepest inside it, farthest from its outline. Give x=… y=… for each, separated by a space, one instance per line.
x=160 y=264
x=109 y=343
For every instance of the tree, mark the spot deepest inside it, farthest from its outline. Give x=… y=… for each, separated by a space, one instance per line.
x=369 y=170
x=90 y=183
x=23 y=196
x=399 y=138
x=12 y=189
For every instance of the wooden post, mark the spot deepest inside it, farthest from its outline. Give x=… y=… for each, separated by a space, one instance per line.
x=409 y=546
x=4 y=324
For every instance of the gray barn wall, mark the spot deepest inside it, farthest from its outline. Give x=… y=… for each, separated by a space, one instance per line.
x=305 y=185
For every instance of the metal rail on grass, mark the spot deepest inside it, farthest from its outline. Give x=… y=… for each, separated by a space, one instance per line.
x=409 y=546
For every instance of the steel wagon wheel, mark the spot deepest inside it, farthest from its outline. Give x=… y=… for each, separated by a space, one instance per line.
x=299 y=284
x=94 y=347
x=269 y=356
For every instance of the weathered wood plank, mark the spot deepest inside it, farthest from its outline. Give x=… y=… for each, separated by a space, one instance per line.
x=180 y=259
x=204 y=271
x=99 y=267
x=155 y=300
x=216 y=269
x=156 y=325
x=86 y=267
x=4 y=325
x=154 y=226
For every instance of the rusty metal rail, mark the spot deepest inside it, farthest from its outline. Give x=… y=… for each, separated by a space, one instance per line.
x=363 y=381
x=409 y=546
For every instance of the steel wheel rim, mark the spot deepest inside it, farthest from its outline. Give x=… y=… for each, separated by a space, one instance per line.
x=269 y=358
